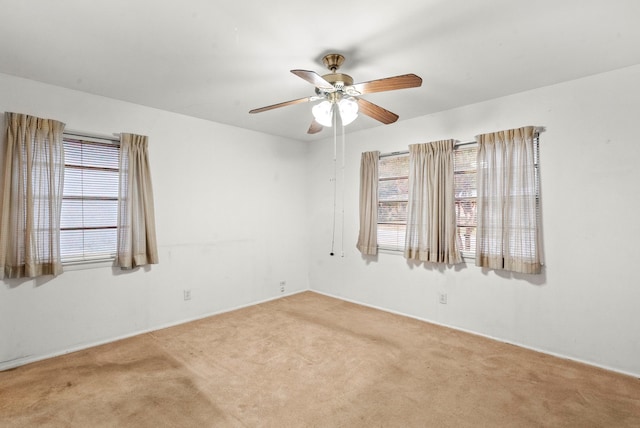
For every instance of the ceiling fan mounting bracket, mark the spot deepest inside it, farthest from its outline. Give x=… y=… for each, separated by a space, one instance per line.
x=333 y=61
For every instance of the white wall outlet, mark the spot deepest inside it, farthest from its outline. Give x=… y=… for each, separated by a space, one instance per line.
x=187 y=294
x=442 y=298
x=283 y=285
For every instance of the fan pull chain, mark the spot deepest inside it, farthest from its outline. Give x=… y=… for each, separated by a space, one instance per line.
x=343 y=186
x=335 y=168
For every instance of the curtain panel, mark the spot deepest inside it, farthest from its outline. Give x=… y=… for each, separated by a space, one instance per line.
x=508 y=234
x=431 y=217
x=32 y=190
x=368 y=234
x=136 y=245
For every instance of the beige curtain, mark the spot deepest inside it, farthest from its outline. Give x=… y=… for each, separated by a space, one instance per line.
x=31 y=197
x=431 y=217
x=136 y=221
x=368 y=235
x=508 y=234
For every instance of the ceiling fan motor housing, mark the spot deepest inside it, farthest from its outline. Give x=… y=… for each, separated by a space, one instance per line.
x=338 y=80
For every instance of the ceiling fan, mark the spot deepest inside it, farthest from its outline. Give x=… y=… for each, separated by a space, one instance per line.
x=340 y=94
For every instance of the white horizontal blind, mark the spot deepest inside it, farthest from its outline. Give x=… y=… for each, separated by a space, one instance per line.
x=88 y=229
x=465 y=182
x=510 y=212
x=393 y=197
x=536 y=170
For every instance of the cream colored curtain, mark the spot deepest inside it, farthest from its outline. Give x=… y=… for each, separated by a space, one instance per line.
x=368 y=235
x=431 y=217
x=136 y=221
x=31 y=197
x=508 y=234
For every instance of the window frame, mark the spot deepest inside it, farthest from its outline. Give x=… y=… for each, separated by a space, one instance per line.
x=397 y=250
x=467 y=254
x=386 y=201
x=91 y=139
x=472 y=254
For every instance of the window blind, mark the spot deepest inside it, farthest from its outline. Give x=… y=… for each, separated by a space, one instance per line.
x=466 y=189
x=88 y=229
x=393 y=197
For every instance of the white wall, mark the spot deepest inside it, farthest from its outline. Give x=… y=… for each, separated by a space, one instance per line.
x=230 y=218
x=585 y=304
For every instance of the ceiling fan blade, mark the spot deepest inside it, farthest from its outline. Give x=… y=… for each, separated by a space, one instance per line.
x=315 y=128
x=387 y=84
x=315 y=79
x=376 y=112
x=284 y=104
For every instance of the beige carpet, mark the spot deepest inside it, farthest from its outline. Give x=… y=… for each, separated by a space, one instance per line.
x=312 y=361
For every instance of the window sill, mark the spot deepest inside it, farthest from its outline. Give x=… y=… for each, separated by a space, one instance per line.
x=467 y=258
x=390 y=250
x=88 y=264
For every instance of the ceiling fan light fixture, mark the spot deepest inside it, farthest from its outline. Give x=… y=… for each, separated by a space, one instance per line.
x=322 y=113
x=348 y=110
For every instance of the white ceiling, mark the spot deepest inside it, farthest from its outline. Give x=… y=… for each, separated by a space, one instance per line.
x=216 y=60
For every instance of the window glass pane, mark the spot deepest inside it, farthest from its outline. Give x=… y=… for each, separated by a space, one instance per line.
x=466 y=192
x=88 y=218
x=85 y=153
x=465 y=158
x=393 y=194
x=466 y=212
x=87 y=244
x=88 y=213
x=393 y=190
x=391 y=236
x=393 y=166
x=90 y=182
x=392 y=212
x=465 y=184
x=467 y=237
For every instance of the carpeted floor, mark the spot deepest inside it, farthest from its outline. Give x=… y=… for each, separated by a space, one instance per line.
x=312 y=361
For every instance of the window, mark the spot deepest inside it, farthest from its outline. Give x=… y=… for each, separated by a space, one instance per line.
x=465 y=173
x=88 y=220
x=393 y=196
x=509 y=201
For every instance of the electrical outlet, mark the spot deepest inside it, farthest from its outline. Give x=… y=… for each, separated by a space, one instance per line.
x=283 y=286
x=187 y=294
x=442 y=298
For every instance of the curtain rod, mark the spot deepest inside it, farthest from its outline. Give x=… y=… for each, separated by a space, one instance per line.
x=538 y=130
x=114 y=137
x=404 y=152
